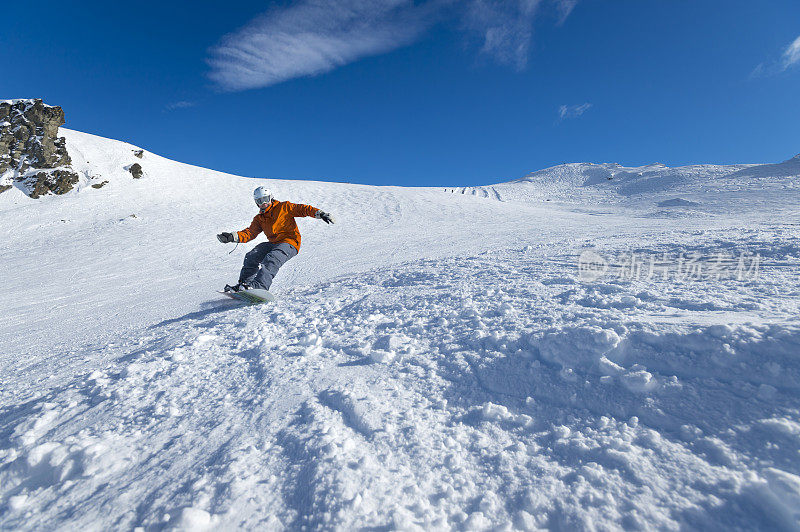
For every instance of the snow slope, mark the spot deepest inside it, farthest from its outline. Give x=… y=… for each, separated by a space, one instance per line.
x=710 y=188
x=434 y=360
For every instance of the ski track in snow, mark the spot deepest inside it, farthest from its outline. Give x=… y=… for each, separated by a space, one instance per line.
x=458 y=388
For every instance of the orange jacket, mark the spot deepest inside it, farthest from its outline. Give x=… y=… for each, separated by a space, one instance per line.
x=277 y=222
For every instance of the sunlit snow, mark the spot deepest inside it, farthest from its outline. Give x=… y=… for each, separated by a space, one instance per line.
x=435 y=360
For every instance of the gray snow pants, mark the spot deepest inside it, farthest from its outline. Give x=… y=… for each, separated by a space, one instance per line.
x=262 y=263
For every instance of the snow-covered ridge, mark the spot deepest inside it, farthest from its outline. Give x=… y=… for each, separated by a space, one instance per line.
x=434 y=360
x=603 y=184
x=704 y=186
x=29 y=101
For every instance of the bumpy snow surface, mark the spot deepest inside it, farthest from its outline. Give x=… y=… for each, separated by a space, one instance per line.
x=436 y=360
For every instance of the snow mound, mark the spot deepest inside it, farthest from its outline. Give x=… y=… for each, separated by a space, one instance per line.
x=787 y=169
x=678 y=202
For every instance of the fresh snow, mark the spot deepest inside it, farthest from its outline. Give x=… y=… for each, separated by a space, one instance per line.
x=434 y=361
x=15 y=101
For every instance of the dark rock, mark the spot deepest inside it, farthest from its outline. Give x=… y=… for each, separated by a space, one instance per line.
x=100 y=185
x=138 y=153
x=31 y=152
x=57 y=181
x=136 y=170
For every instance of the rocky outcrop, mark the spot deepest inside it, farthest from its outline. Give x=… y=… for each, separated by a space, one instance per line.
x=136 y=170
x=32 y=155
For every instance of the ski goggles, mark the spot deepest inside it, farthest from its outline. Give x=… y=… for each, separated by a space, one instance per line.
x=264 y=201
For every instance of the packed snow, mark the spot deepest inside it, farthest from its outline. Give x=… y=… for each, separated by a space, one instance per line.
x=436 y=360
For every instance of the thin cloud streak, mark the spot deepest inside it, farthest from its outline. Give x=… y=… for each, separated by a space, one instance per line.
x=789 y=58
x=312 y=37
x=565 y=7
x=572 y=111
x=183 y=104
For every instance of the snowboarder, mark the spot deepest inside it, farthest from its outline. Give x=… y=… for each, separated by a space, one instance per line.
x=276 y=220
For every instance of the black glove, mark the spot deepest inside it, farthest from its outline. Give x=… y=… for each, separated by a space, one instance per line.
x=325 y=217
x=225 y=237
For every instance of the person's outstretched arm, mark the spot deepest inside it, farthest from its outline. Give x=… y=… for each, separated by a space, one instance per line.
x=242 y=236
x=298 y=210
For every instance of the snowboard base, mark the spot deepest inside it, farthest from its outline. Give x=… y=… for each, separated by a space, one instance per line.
x=254 y=296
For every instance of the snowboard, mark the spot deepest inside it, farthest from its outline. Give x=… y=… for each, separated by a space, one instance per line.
x=254 y=296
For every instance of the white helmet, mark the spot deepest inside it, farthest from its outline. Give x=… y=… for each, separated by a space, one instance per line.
x=263 y=196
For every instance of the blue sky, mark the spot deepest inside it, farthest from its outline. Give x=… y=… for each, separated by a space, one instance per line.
x=437 y=92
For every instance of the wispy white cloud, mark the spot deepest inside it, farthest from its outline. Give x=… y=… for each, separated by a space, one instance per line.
x=789 y=58
x=506 y=28
x=565 y=7
x=183 y=104
x=572 y=111
x=311 y=37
